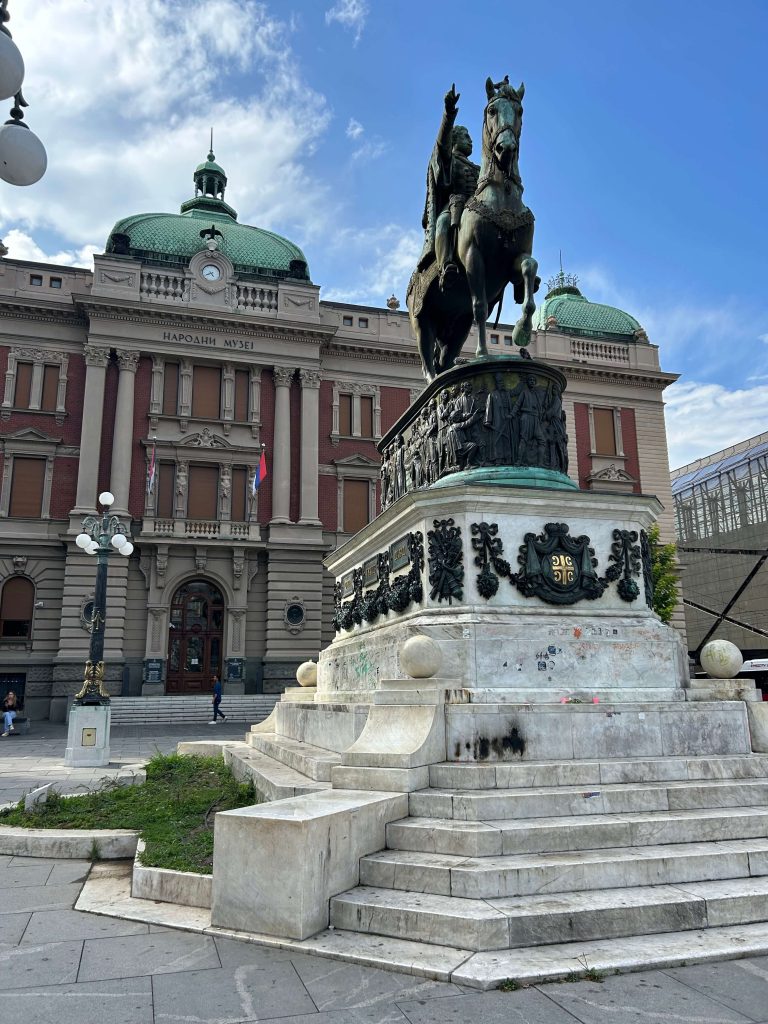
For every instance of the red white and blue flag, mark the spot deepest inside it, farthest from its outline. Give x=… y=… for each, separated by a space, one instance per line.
x=261 y=472
x=151 y=471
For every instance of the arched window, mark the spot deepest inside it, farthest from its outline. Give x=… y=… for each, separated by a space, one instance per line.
x=16 y=607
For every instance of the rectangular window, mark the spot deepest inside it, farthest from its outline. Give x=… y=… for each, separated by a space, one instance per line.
x=206 y=392
x=494 y=339
x=508 y=340
x=355 y=511
x=366 y=416
x=605 y=431
x=166 y=476
x=242 y=387
x=17 y=607
x=36 y=280
x=170 y=389
x=203 y=494
x=55 y=282
x=50 y=388
x=362 y=321
x=345 y=415
x=347 y=321
x=27 y=488
x=23 y=385
x=239 y=494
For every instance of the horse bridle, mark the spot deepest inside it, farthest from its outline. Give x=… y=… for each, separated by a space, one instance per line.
x=496 y=135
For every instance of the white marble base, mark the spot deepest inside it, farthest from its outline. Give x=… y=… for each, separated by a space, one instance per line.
x=84 y=749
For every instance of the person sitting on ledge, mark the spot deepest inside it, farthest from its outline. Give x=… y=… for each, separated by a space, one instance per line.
x=10 y=707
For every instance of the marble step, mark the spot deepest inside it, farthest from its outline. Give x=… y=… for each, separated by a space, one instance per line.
x=582 y=871
x=605 y=771
x=526 y=921
x=585 y=832
x=272 y=779
x=314 y=762
x=553 y=801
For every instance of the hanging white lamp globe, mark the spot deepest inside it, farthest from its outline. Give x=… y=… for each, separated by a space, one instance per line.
x=93 y=547
x=23 y=159
x=126 y=549
x=106 y=498
x=11 y=67
x=118 y=540
x=83 y=540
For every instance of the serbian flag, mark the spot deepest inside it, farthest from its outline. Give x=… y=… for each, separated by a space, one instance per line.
x=261 y=472
x=151 y=471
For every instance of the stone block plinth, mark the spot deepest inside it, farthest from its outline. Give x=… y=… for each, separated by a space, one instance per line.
x=88 y=736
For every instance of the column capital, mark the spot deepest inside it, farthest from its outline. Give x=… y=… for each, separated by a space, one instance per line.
x=96 y=355
x=310 y=378
x=128 y=360
x=283 y=375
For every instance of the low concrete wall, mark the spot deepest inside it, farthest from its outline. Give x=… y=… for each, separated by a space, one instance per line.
x=71 y=844
x=186 y=888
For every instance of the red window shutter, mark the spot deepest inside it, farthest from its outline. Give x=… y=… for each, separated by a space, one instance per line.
x=356 y=511
x=206 y=392
x=242 y=387
x=345 y=415
x=203 y=494
x=50 y=388
x=23 y=385
x=27 y=488
x=366 y=416
x=170 y=389
x=166 y=475
x=239 y=494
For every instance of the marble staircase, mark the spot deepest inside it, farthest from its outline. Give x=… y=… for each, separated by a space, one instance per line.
x=546 y=855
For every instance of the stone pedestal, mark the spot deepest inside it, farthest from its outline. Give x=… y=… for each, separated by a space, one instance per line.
x=88 y=736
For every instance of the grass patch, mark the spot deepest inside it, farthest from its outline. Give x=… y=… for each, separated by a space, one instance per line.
x=173 y=810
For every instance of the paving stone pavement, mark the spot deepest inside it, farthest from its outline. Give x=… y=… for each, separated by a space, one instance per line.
x=29 y=760
x=58 y=964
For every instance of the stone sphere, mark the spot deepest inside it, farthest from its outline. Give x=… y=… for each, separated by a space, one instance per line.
x=306 y=674
x=420 y=657
x=721 y=659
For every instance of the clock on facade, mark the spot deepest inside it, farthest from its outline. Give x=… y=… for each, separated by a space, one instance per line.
x=211 y=272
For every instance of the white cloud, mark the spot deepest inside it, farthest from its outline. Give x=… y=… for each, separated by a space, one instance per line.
x=21 y=247
x=122 y=96
x=370 y=150
x=704 y=418
x=354 y=129
x=763 y=337
x=350 y=14
x=389 y=254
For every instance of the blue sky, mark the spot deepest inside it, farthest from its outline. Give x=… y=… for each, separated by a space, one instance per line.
x=643 y=151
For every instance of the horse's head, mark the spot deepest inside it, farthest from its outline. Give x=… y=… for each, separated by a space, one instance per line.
x=502 y=122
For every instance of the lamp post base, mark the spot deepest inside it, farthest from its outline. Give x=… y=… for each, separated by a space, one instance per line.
x=88 y=736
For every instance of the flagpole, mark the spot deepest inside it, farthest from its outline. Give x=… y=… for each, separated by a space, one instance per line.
x=254 y=486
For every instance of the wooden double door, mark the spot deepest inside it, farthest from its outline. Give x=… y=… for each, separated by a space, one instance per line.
x=196 y=638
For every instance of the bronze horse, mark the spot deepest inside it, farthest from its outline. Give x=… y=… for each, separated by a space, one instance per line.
x=494 y=244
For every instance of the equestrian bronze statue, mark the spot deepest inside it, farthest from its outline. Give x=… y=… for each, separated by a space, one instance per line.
x=478 y=234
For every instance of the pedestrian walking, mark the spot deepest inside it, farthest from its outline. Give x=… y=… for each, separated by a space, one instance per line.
x=217 y=701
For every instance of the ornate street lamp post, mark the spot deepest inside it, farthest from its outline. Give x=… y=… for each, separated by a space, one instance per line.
x=101 y=535
x=22 y=155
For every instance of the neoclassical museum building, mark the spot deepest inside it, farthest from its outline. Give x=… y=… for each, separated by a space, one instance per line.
x=205 y=341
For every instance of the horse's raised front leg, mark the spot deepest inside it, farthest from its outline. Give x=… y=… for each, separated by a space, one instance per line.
x=425 y=339
x=474 y=265
x=527 y=267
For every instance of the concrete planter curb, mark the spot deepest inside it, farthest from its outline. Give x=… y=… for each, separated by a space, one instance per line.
x=69 y=843
x=185 y=888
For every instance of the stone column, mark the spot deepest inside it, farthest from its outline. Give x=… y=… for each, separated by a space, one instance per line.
x=96 y=359
x=122 y=442
x=310 y=429
x=281 y=456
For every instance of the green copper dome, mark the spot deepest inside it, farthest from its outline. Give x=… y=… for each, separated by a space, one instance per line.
x=172 y=239
x=566 y=309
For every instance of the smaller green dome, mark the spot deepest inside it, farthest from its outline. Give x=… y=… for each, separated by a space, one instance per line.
x=566 y=309
x=210 y=165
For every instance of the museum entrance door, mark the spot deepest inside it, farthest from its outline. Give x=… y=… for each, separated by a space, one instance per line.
x=196 y=638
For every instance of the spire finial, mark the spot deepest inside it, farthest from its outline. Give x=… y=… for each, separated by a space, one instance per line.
x=210 y=153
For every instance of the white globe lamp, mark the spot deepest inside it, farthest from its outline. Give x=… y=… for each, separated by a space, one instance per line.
x=11 y=67
x=23 y=159
x=83 y=540
x=126 y=549
x=106 y=498
x=118 y=540
x=93 y=547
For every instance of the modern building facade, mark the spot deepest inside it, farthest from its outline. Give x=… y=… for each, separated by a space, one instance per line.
x=205 y=342
x=721 y=521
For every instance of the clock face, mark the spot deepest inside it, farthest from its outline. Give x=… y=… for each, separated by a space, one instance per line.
x=211 y=272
